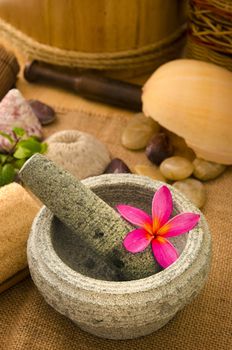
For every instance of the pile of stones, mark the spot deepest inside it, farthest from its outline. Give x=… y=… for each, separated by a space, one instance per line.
x=171 y=159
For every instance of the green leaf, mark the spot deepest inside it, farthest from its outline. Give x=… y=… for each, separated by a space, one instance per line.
x=8 y=137
x=23 y=149
x=31 y=144
x=26 y=148
x=34 y=138
x=44 y=147
x=19 y=163
x=7 y=174
x=3 y=158
x=9 y=159
x=1 y=179
x=22 y=153
x=19 y=131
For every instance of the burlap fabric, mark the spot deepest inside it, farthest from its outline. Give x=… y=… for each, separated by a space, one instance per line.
x=27 y=322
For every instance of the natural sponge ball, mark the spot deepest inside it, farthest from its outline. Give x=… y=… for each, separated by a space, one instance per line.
x=78 y=152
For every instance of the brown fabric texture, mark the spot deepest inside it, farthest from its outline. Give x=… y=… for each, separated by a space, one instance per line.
x=27 y=322
x=16 y=278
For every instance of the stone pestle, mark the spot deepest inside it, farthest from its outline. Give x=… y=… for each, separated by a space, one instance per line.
x=87 y=215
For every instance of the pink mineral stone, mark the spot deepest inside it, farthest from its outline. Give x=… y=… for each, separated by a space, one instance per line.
x=15 y=112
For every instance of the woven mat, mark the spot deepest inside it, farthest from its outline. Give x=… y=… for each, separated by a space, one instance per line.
x=27 y=322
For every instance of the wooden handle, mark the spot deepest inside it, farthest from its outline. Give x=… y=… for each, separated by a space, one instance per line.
x=92 y=86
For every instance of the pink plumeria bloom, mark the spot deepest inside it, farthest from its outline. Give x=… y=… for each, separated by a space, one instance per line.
x=157 y=229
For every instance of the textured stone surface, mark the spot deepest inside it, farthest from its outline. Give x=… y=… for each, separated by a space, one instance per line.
x=138 y=132
x=78 y=152
x=193 y=189
x=80 y=257
x=43 y=112
x=159 y=148
x=87 y=215
x=176 y=168
x=149 y=170
x=117 y=166
x=15 y=112
x=118 y=310
x=204 y=170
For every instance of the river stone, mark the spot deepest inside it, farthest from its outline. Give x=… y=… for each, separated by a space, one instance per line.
x=204 y=170
x=180 y=146
x=78 y=152
x=45 y=114
x=138 y=132
x=159 y=148
x=193 y=189
x=149 y=170
x=176 y=168
x=117 y=166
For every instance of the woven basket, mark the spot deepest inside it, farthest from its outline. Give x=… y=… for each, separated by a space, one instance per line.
x=210 y=31
x=105 y=34
x=9 y=69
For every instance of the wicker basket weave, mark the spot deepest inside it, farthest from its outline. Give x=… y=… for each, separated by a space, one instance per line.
x=9 y=69
x=210 y=31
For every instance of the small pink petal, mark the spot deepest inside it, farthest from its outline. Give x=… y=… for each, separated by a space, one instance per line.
x=180 y=224
x=137 y=240
x=164 y=252
x=134 y=215
x=161 y=207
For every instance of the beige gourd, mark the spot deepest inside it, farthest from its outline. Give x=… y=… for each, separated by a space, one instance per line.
x=194 y=100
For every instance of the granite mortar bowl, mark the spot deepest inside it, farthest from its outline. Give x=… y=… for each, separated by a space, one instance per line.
x=116 y=309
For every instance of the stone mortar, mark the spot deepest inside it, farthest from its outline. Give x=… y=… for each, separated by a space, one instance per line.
x=75 y=284
x=91 y=218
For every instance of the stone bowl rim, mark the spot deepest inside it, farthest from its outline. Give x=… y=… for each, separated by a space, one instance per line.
x=70 y=276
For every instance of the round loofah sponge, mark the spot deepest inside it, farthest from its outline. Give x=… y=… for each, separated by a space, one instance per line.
x=78 y=152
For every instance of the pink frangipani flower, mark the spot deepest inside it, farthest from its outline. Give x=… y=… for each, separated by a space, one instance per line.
x=157 y=229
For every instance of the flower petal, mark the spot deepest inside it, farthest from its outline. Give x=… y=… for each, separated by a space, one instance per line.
x=164 y=252
x=137 y=240
x=180 y=224
x=161 y=207
x=134 y=215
